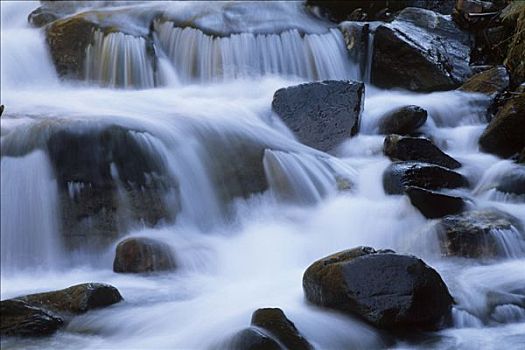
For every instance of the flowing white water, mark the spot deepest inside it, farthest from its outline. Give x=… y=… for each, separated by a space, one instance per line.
x=119 y=60
x=236 y=256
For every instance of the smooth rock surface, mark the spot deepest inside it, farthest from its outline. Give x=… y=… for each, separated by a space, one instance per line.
x=22 y=319
x=141 y=254
x=388 y=290
x=417 y=149
x=321 y=114
x=403 y=121
x=434 y=204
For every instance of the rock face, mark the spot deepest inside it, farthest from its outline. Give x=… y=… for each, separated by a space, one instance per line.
x=253 y=339
x=67 y=40
x=476 y=234
x=388 y=290
x=504 y=136
x=421 y=51
x=22 y=319
x=403 y=121
x=400 y=175
x=44 y=313
x=141 y=254
x=321 y=114
x=434 y=204
x=490 y=82
x=99 y=168
x=417 y=149
x=77 y=299
x=274 y=321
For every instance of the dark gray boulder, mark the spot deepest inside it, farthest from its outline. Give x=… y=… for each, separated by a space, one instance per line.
x=403 y=121
x=434 y=204
x=275 y=321
x=513 y=182
x=478 y=234
x=505 y=136
x=321 y=114
x=22 y=319
x=252 y=338
x=388 y=290
x=398 y=176
x=140 y=254
x=417 y=149
x=422 y=51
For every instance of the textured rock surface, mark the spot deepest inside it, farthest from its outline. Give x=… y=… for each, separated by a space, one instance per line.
x=388 y=290
x=490 y=82
x=400 y=175
x=434 y=204
x=417 y=149
x=22 y=319
x=321 y=114
x=505 y=135
x=476 y=234
x=421 y=51
x=403 y=121
x=274 y=321
x=140 y=254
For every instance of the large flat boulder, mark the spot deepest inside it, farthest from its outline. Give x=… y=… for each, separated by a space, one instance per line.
x=321 y=114
x=421 y=51
x=388 y=290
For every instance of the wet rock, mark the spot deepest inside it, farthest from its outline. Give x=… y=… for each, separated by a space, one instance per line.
x=477 y=233
x=421 y=51
x=67 y=39
x=417 y=149
x=504 y=135
x=514 y=16
x=77 y=299
x=274 y=321
x=22 y=319
x=434 y=204
x=253 y=339
x=41 y=17
x=398 y=176
x=139 y=254
x=521 y=159
x=491 y=82
x=321 y=114
x=403 y=121
x=388 y=290
x=99 y=172
x=513 y=182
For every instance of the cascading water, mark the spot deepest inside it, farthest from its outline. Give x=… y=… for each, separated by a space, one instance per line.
x=198 y=56
x=233 y=182
x=119 y=60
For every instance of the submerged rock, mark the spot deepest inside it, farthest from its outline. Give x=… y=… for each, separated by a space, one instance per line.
x=422 y=51
x=513 y=182
x=388 y=290
x=417 y=149
x=398 y=176
x=140 y=254
x=321 y=114
x=77 y=299
x=403 y=121
x=19 y=318
x=505 y=136
x=434 y=204
x=480 y=234
x=274 y=321
x=252 y=338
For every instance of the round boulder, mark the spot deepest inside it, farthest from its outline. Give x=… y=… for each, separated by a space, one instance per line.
x=388 y=290
x=139 y=254
x=403 y=121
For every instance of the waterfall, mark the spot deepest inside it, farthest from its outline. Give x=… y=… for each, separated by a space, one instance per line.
x=198 y=56
x=30 y=229
x=119 y=60
x=302 y=178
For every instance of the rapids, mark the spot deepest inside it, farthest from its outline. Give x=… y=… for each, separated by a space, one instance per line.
x=250 y=253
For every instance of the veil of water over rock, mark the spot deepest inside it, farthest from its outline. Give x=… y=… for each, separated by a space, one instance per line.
x=168 y=134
